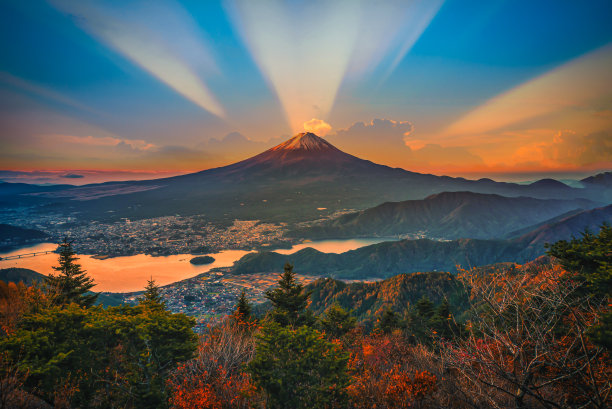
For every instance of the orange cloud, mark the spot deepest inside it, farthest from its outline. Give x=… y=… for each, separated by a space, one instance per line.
x=135 y=144
x=317 y=126
x=390 y=142
x=565 y=148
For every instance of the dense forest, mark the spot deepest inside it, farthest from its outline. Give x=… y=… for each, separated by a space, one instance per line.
x=536 y=335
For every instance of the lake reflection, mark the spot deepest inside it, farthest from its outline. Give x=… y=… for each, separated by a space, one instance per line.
x=333 y=246
x=124 y=274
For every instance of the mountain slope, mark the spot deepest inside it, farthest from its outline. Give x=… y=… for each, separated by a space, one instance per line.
x=13 y=236
x=407 y=256
x=568 y=227
x=301 y=179
x=16 y=275
x=369 y=300
x=448 y=215
x=388 y=258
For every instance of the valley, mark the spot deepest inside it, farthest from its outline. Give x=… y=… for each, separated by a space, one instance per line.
x=128 y=232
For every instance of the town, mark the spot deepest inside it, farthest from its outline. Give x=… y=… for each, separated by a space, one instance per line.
x=211 y=296
x=160 y=236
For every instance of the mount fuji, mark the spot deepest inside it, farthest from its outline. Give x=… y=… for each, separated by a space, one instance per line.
x=303 y=178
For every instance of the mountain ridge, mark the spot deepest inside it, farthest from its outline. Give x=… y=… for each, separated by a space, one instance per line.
x=389 y=258
x=278 y=185
x=448 y=215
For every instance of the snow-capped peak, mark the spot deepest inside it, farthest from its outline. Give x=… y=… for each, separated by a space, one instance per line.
x=305 y=141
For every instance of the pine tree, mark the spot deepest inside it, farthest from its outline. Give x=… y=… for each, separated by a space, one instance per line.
x=589 y=260
x=389 y=321
x=71 y=284
x=337 y=321
x=242 y=313
x=425 y=308
x=152 y=297
x=442 y=322
x=443 y=310
x=299 y=368
x=289 y=301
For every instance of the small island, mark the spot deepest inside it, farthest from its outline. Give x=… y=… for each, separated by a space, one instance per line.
x=198 y=261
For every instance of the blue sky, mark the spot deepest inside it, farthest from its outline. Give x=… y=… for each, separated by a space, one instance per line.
x=137 y=86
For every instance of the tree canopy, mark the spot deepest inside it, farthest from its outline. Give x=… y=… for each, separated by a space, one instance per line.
x=71 y=284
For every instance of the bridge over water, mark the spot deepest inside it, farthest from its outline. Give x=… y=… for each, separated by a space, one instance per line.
x=26 y=255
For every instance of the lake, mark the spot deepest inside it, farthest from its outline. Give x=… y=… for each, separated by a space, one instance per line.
x=130 y=273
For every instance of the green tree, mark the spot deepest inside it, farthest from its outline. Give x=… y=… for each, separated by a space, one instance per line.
x=425 y=308
x=589 y=259
x=242 y=313
x=152 y=298
x=71 y=284
x=442 y=321
x=299 y=368
x=337 y=321
x=289 y=301
x=389 y=321
x=114 y=357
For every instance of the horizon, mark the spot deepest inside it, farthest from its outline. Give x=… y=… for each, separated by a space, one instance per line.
x=77 y=177
x=93 y=92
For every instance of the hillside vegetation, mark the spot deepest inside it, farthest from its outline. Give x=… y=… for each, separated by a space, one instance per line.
x=506 y=335
x=407 y=256
x=448 y=215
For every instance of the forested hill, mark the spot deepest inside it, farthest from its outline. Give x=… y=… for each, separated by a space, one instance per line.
x=12 y=236
x=448 y=215
x=403 y=291
x=389 y=258
x=407 y=256
x=24 y=275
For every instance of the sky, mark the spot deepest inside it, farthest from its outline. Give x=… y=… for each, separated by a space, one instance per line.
x=107 y=90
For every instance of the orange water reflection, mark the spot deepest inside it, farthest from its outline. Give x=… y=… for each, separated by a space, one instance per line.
x=124 y=274
x=121 y=274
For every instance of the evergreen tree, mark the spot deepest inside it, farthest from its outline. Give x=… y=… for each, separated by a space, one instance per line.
x=118 y=357
x=589 y=259
x=152 y=297
x=289 y=301
x=443 y=310
x=242 y=313
x=389 y=321
x=425 y=308
x=337 y=321
x=442 y=321
x=71 y=284
x=299 y=368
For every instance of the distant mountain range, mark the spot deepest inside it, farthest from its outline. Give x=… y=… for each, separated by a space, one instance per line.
x=563 y=228
x=406 y=256
x=448 y=215
x=600 y=180
x=301 y=179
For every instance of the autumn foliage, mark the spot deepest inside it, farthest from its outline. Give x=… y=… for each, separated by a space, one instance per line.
x=529 y=336
x=385 y=373
x=215 y=377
